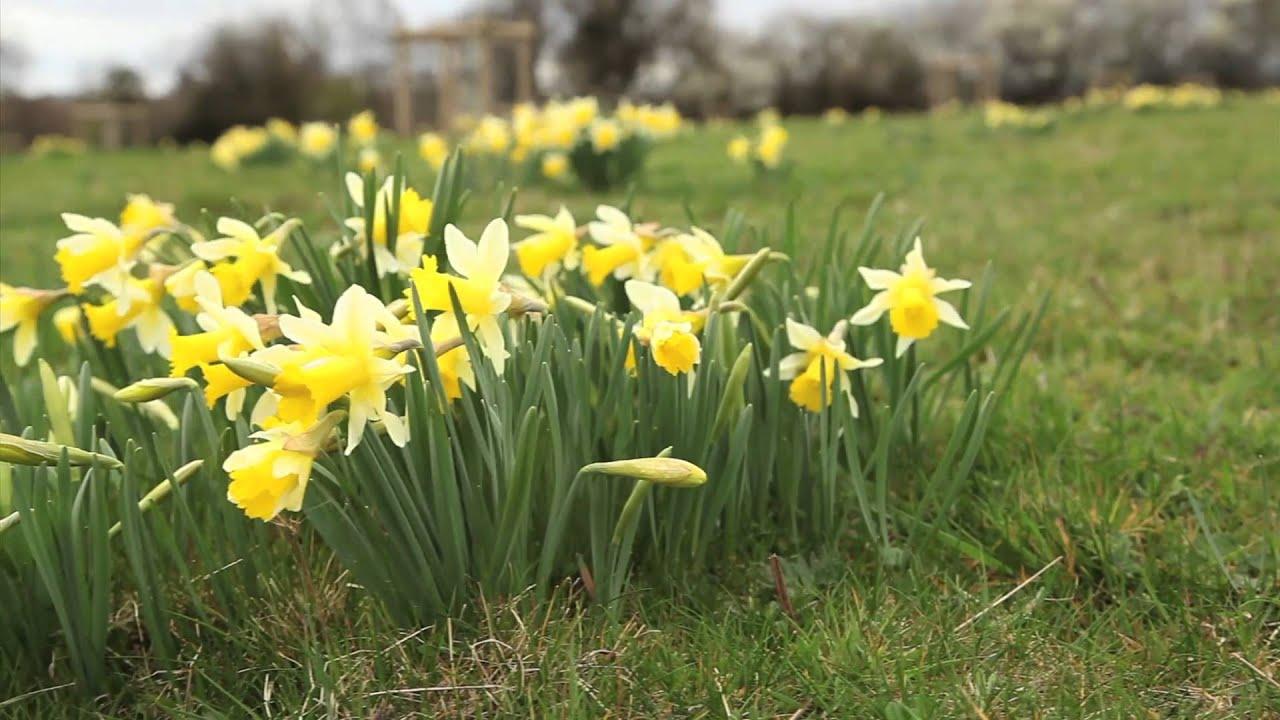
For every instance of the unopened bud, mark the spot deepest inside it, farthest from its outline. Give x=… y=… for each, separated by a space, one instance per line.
x=256 y=372
x=672 y=472
x=21 y=451
x=153 y=389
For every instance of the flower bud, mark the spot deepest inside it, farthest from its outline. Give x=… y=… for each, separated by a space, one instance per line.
x=21 y=451
x=668 y=471
x=153 y=389
x=256 y=372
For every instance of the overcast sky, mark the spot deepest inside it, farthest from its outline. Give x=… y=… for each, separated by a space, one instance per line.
x=67 y=43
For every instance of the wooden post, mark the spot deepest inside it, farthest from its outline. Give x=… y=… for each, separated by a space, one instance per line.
x=524 y=69
x=445 y=84
x=486 y=70
x=404 y=90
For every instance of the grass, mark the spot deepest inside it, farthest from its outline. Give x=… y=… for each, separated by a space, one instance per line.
x=1140 y=447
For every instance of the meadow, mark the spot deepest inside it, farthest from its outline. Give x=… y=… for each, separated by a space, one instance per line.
x=1130 y=475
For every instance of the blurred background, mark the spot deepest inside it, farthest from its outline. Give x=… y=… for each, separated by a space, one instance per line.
x=143 y=71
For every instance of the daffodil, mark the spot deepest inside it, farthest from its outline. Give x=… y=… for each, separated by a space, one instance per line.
x=257 y=258
x=316 y=139
x=343 y=359
x=433 y=148
x=554 y=243
x=739 y=148
x=835 y=116
x=605 y=135
x=368 y=160
x=412 y=224
x=20 y=310
x=688 y=260
x=138 y=307
x=819 y=358
x=454 y=365
x=554 y=165
x=227 y=331
x=282 y=130
x=665 y=327
x=142 y=215
x=271 y=476
x=181 y=285
x=491 y=135
x=99 y=253
x=66 y=320
x=478 y=285
x=625 y=253
x=911 y=298
x=363 y=127
x=773 y=139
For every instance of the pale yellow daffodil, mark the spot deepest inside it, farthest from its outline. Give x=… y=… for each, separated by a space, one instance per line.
x=664 y=327
x=910 y=297
x=256 y=258
x=819 y=358
x=553 y=245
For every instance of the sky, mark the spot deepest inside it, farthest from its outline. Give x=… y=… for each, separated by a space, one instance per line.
x=68 y=43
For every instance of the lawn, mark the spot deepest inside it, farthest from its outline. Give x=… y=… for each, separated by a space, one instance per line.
x=1136 y=461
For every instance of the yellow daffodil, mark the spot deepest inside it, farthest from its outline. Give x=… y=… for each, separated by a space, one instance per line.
x=282 y=130
x=911 y=299
x=835 y=116
x=491 y=135
x=139 y=308
x=625 y=251
x=343 y=359
x=739 y=149
x=478 y=284
x=665 y=328
x=553 y=244
x=99 y=253
x=688 y=260
x=412 y=224
x=142 y=215
x=454 y=365
x=363 y=127
x=819 y=358
x=66 y=321
x=257 y=259
x=316 y=139
x=605 y=135
x=220 y=382
x=20 y=309
x=433 y=148
x=227 y=331
x=271 y=476
x=555 y=165
x=181 y=285
x=368 y=160
x=773 y=139
x=871 y=114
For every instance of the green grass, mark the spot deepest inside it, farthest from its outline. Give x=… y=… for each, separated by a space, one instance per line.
x=1140 y=446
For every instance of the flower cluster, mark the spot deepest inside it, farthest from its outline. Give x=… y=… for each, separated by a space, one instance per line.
x=999 y=114
x=225 y=314
x=574 y=134
x=278 y=139
x=765 y=152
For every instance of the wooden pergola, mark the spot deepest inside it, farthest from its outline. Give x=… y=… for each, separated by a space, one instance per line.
x=111 y=125
x=451 y=39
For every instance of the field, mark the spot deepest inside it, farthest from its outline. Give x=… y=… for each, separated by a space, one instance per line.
x=1136 y=461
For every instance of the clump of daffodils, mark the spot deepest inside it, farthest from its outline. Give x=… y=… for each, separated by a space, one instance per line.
x=765 y=151
x=278 y=140
x=999 y=114
x=575 y=136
